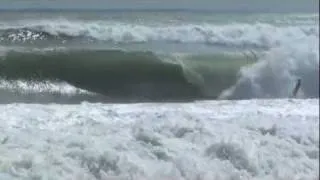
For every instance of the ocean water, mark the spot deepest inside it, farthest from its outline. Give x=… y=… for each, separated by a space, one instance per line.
x=189 y=95
x=162 y=55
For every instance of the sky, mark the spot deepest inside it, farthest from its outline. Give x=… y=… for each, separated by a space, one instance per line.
x=244 y=5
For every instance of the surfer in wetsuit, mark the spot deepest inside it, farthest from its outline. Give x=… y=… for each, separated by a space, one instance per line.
x=296 y=89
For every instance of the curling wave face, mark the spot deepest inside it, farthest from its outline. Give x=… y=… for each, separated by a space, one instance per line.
x=126 y=75
x=117 y=75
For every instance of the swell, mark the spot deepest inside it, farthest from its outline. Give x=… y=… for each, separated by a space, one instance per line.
x=121 y=75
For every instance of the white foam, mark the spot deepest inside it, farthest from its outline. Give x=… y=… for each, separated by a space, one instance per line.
x=275 y=73
x=237 y=34
x=251 y=139
x=26 y=87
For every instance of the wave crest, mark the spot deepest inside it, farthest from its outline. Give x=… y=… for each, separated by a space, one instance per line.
x=239 y=35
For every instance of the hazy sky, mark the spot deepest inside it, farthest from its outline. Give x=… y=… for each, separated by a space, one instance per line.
x=246 y=5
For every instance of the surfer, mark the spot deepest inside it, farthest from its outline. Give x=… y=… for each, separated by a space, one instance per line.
x=296 y=89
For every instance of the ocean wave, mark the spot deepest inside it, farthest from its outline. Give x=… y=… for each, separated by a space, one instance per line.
x=118 y=75
x=275 y=75
x=239 y=35
x=125 y=75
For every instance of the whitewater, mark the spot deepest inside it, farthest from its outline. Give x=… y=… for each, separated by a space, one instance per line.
x=158 y=95
x=250 y=139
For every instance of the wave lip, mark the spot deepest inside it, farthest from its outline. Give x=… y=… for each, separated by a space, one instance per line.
x=253 y=35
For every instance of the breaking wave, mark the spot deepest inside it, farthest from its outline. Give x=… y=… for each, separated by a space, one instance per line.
x=291 y=54
x=260 y=35
x=275 y=74
x=120 y=75
x=64 y=75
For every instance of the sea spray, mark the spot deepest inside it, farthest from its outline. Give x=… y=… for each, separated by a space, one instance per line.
x=275 y=75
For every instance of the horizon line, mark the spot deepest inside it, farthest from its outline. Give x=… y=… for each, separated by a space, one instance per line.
x=234 y=10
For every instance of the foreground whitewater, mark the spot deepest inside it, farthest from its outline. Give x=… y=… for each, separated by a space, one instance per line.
x=249 y=139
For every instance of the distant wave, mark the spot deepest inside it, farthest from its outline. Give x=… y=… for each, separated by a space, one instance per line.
x=234 y=35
